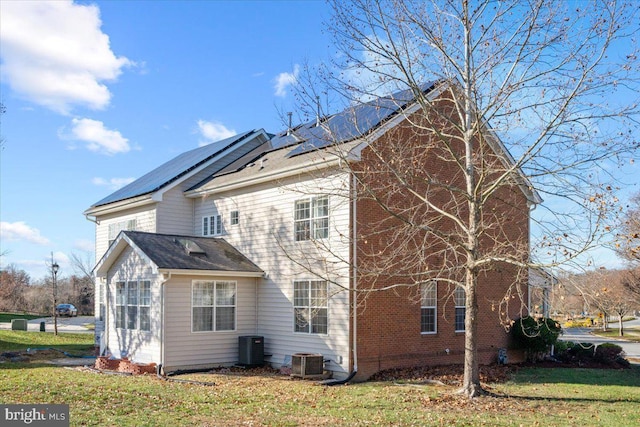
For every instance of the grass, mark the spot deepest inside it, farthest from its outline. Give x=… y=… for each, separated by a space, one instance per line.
x=7 y=317
x=533 y=397
x=69 y=342
x=630 y=334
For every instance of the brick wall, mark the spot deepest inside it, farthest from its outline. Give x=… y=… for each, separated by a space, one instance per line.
x=394 y=253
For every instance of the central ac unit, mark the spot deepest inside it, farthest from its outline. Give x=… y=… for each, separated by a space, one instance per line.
x=307 y=365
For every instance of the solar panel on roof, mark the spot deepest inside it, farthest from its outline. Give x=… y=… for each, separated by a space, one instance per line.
x=353 y=122
x=171 y=170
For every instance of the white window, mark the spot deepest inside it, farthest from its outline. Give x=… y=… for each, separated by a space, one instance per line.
x=133 y=305
x=213 y=306
x=117 y=227
x=460 y=300
x=212 y=225
x=145 y=305
x=311 y=219
x=121 y=304
x=310 y=306
x=235 y=217
x=428 y=308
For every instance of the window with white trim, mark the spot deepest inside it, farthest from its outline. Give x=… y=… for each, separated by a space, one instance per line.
x=145 y=305
x=212 y=225
x=121 y=304
x=460 y=301
x=428 y=308
x=311 y=218
x=310 y=306
x=116 y=227
x=133 y=305
x=213 y=305
x=235 y=218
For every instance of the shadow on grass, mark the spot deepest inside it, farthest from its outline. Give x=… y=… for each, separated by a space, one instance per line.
x=17 y=347
x=580 y=376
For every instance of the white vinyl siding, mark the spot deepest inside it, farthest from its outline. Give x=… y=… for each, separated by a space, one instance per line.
x=116 y=227
x=265 y=235
x=141 y=344
x=144 y=219
x=186 y=349
x=429 y=308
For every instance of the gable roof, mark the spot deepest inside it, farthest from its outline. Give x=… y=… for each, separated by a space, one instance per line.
x=176 y=168
x=181 y=254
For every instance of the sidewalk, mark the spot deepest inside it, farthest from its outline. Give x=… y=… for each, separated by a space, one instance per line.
x=65 y=324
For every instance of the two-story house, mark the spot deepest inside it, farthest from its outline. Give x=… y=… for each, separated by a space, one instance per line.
x=263 y=235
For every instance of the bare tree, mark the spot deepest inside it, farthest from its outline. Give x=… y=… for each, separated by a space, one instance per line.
x=13 y=285
x=556 y=83
x=83 y=282
x=607 y=292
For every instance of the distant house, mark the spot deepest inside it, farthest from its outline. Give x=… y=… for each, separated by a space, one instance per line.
x=541 y=283
x=221 y=242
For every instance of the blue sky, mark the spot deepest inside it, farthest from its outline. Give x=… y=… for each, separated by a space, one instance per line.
x=99 y=93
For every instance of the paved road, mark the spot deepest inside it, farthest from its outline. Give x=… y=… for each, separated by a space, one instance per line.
x=632 y=349
x=65 y=324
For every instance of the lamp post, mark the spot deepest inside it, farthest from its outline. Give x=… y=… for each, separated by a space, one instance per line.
x=54 y=272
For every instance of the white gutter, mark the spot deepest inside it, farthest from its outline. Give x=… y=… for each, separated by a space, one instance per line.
x=298 y=170
x=223 y=273
x=120 y=206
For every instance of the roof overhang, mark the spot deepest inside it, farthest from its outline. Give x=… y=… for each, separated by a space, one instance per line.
x=118 y=246
x=300 y=168
x=209 y=273
x=121 y=205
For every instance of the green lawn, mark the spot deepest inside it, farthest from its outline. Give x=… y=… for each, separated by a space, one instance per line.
x=22 y=340
x=533 y=397
x=7 y=317
x=630 y=334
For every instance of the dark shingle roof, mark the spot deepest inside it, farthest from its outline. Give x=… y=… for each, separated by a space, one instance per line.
x=191 y=253
x=172 y=170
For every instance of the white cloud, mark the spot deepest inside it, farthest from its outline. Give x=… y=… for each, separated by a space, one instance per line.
x=112 y=183
x=21 y=231
x=213 y=131
x=97 y=137
x=84 y=245
x=55 y=54
x=284 y=80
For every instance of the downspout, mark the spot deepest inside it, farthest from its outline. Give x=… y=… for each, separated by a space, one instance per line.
x=106 y=311
x=162 y=311
x=532 y=207
x=354 y=301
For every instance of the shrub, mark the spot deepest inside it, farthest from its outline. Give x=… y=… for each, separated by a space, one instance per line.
x=535 y=336
x=579 y=323
x=609 y=353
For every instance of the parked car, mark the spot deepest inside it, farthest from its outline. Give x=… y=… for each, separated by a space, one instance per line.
x=66 y=310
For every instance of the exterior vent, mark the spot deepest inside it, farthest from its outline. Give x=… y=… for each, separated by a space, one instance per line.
x=307 y=365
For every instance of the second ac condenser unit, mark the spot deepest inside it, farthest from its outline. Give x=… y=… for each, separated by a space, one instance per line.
x=307 y=365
